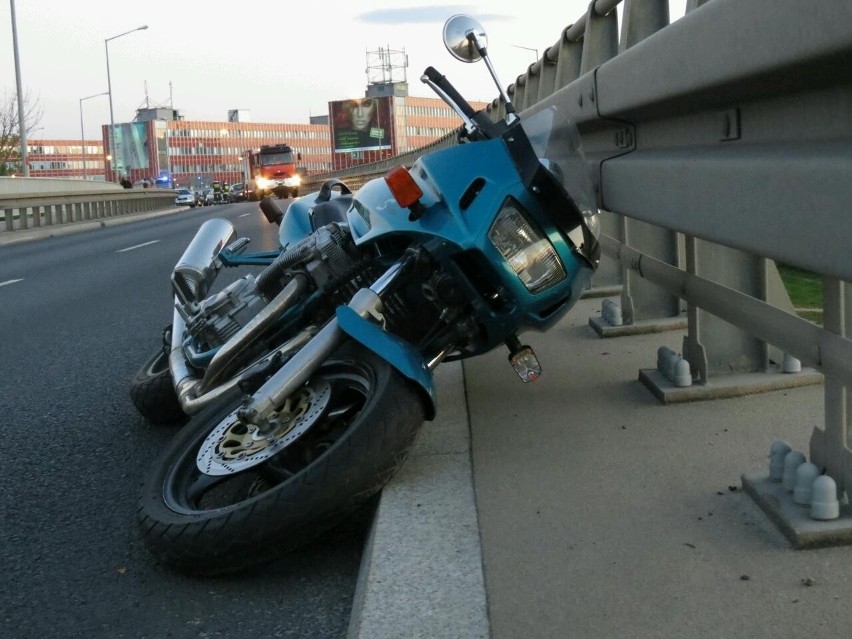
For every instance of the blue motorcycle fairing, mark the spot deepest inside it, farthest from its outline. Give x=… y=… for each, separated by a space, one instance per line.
x=462 y=223
x=398 y=353
x=375 y=212
x=297 y=223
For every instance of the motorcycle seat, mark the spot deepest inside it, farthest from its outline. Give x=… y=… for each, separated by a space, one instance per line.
x=332 y=211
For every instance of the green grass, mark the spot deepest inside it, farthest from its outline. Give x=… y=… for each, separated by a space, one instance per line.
x=805 y=290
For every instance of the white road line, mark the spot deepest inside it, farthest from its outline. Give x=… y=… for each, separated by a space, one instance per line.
x=7 y=282
x=245 y=215
x=133 y=248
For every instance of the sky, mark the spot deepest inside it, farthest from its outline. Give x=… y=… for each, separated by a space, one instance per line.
x=281 y=61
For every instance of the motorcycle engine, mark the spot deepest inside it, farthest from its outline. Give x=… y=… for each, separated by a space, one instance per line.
x=327 y=256
x=213 y=321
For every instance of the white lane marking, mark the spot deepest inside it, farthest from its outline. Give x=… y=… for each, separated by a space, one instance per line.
x=7 y=282
x=133 y=248
x=245 y=214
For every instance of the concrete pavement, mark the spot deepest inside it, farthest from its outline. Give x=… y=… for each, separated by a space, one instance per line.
x=597 y=512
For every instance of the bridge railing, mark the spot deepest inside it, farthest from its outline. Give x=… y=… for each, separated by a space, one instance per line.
x=719 y=144
x=31 y=210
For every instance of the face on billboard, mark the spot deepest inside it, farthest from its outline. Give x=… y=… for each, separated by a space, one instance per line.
x=361 y=124
x=362 y=114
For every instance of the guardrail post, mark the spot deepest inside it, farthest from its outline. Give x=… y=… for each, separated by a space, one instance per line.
x=832 y=448
x=547 y=80
x=642 y=301
x=712 y=346
x=532 y=86
x=640 y=19
x=569 y=61
x=518 y=92
x=600 y=43
x=691 y=5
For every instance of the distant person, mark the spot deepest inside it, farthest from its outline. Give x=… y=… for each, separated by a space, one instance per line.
x=127 y=184
x=145 y=184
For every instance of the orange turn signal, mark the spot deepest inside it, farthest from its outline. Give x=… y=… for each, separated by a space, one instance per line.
x=404 y=188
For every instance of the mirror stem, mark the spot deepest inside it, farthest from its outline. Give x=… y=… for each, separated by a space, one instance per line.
x=477 y=41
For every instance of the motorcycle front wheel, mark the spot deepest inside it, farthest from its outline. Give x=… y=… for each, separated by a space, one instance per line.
x=363 y=422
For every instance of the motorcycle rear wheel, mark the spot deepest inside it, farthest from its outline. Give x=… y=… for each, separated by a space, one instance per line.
x=208 y=525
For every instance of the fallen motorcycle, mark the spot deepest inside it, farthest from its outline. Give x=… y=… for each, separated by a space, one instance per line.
x=308 y=382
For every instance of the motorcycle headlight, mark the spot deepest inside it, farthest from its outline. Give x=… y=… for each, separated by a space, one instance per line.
x=528 y=252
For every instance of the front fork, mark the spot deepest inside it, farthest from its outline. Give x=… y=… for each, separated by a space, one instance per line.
x=261 y=407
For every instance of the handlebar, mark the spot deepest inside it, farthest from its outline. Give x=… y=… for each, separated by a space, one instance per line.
x=477 y=124
x=442 y=83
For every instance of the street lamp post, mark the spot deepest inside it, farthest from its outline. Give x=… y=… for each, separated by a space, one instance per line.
x=109 y=92
x=22 y=125
x=517 y=46
x=83 y=135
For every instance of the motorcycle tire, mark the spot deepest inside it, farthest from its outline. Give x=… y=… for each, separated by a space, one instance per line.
x=206 y=525
x=153 y=393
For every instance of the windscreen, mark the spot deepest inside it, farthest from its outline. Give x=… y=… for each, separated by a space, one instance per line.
x=556 y=142
x=267 y=159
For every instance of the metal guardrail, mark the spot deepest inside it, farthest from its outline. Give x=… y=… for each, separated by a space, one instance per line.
x=720 y=143
x=32 y=210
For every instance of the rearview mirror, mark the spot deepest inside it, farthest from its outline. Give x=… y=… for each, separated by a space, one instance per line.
x=456 y=30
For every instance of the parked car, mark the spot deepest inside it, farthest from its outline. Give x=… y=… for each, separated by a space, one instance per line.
x=185 y=196
x=237 y=192
x=204 y=197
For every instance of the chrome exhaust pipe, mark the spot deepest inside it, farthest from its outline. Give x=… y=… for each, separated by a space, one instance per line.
x=185 y=383
x=188 y=386
x=198 y=266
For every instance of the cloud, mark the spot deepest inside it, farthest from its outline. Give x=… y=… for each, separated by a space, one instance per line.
x=425 y=14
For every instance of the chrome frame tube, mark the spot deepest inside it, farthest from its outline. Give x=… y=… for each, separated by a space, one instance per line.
x=269 y=397
x=255 y=327
x=187 y=385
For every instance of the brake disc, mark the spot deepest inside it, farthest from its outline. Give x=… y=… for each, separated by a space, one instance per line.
x=233 y=446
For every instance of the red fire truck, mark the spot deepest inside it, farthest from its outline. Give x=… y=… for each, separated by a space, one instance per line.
x=271 y=169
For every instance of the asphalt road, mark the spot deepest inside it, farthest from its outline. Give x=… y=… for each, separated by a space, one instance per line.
x=78 y=315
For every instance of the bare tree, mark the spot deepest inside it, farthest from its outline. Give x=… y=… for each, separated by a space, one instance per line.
x=10 y=132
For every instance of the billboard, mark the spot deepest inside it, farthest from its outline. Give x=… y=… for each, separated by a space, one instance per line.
x=131 y=146
x=361 y=124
